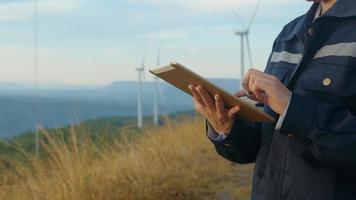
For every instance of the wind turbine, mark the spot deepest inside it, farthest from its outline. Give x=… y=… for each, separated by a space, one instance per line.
x=155 y=100
x=36 y=64
x=244 y=35
x=141 y=75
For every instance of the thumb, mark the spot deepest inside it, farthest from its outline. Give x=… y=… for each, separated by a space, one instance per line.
x=241 y=93
x=233 y=111
x=244 y=93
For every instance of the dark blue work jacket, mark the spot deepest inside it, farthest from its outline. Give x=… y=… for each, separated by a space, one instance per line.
x=313 y=155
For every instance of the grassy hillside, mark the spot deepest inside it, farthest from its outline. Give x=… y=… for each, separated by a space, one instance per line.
x=104 y=129
x=175 y=161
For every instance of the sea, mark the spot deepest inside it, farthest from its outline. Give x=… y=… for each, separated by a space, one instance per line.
x=23 y=107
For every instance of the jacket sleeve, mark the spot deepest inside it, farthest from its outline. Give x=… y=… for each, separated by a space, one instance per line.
x=242 y=143
x=328 y=130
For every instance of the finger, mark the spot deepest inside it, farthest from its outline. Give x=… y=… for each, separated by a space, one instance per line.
x=255 y=90
x=266 y=79
x=241 y=93
x=198 y=104
x=246 y=80
x=253 y=74
x=220 y=107
x=199 y=108
x=196 y=95
x=208 y=101
x=254 y=93
x=244 y=93
x=264 y=98
x=232 y=111
x=258 y=77
x=252 y=96
x=258 y=89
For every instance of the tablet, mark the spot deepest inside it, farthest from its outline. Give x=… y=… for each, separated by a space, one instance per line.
x=181 y=77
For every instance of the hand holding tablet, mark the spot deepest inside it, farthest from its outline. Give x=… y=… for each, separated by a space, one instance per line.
x=181 y=77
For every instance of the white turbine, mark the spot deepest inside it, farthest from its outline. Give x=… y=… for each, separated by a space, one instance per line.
x=244 y=35
x=36 y=65
x=155 y=100
x=141 y=74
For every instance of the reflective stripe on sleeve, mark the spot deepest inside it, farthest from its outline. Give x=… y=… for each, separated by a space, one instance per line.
x=285 y=56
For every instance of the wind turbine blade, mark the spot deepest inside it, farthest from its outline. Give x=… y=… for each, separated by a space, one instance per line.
x=238 y=18
x=158 y=56
x=143 y=74
x=249 y=50
x=143 y=67
x=254 y=15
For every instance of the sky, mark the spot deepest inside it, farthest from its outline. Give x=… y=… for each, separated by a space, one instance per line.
x=97 y=42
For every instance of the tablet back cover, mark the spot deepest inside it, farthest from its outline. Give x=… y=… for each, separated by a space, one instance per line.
x=181 y=77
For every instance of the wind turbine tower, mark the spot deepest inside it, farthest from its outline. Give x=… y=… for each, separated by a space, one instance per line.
x=140 y=71
x=155 y=100
x=244 y=36
x=36 y=64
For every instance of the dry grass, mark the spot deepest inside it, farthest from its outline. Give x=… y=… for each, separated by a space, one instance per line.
x=172 y=162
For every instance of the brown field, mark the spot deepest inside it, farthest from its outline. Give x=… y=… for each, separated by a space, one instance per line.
x=175 y=161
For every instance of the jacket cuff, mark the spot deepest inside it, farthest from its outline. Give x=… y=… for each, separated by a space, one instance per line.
x=213 y=135
x=222 y=139
x=281 y=118
x=300 y=117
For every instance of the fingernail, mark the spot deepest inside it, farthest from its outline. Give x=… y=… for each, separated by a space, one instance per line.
x=190 y=87
x=216 y=97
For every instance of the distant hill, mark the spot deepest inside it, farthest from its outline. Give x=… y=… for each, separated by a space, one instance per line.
x=228 y=84
x=116 y=90
x=128 y=89
x=27 y=88
x=22 y=106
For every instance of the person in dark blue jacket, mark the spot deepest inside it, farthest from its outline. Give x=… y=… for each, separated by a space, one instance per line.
x=309 y=86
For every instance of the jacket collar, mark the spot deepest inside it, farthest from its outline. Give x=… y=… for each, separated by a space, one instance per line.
x=297 y=28
x=302 y=25
x=341 y=9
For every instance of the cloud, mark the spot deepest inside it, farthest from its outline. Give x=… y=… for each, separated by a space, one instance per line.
x=208 y=5
x=23 y=9
x=168 y=34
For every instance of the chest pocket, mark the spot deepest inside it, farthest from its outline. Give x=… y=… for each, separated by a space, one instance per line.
x=329 y=80
x=282 y=73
